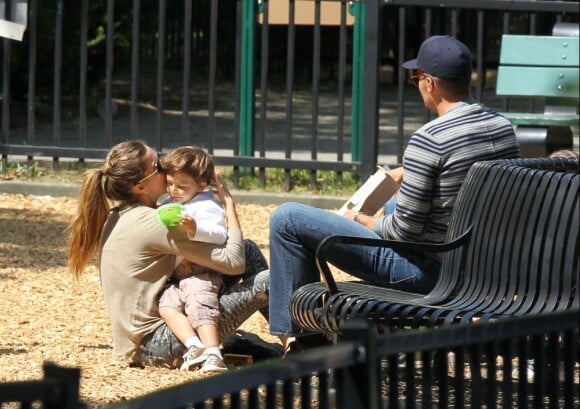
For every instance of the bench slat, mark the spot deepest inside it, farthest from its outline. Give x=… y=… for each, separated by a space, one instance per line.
x=538 y=81
x=539 y=119
x=538 y=50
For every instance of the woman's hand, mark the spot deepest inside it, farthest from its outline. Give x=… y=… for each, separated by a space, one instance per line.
x=223 y=192
x=227 y=202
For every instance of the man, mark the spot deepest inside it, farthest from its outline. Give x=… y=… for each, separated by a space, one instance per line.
x=435 y=163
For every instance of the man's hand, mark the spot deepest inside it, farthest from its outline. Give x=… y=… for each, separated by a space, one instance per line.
x=349 y=214
x=397 y=174
x=360 y=218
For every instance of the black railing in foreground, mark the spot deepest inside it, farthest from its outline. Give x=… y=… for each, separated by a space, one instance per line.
x=522 y=362
x=59 y=389
x=463 y=366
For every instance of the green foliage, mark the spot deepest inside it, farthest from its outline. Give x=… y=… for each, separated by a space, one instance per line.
x=19 y=170
x=325 y=182
x=39 y=171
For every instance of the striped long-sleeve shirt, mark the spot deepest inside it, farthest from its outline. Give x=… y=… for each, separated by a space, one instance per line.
x=435 y=164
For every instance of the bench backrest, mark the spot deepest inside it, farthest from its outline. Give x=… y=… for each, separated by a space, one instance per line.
x=525 y=237
x=538 y=66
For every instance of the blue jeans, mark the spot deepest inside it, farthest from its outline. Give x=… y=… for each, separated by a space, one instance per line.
x=295 y=232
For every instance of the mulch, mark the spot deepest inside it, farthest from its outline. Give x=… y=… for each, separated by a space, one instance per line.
x=48 y=315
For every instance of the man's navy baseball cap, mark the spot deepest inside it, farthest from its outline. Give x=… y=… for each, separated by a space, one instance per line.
x=443 y=57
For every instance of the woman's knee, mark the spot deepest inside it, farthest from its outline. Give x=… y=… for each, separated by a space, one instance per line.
x=255 y=259
x=162 y=349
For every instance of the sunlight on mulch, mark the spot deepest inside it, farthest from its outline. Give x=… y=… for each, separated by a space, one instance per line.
x=49 y=316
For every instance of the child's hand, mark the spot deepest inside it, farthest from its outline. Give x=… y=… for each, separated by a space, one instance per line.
x=188 y=224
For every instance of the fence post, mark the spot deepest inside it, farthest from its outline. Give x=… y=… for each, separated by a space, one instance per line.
x=68 y=397
x=357 y=9
x=6 y=57
x=370 y=110
x=351 y=392
x=247 y=79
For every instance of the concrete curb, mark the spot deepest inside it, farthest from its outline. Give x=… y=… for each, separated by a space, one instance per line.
x=242 y=197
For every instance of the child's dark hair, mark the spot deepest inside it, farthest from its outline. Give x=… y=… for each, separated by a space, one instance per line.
x=192 y=161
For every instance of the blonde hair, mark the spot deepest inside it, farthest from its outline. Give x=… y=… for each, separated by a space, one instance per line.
x=123 y=167
x=192 y=161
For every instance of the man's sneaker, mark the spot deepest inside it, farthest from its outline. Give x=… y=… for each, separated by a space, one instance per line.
x=193 y=358
x=213 y=363
x=306 y=342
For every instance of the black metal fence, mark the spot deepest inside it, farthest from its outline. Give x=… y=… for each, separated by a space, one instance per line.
x=324 y=94
x=523 y=362
x=526 y=362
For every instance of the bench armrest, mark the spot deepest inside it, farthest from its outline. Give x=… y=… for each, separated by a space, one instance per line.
x=326 y=245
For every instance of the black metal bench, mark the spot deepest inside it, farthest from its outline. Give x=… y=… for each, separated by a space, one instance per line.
x=511 y=250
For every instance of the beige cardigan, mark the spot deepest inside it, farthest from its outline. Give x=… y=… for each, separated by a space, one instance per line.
x=138 y=255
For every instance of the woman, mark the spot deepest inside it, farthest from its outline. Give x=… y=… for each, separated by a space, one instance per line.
x=116 y=218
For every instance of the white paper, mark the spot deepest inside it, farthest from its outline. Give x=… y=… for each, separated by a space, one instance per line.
x=372 y=195
x=13 y=31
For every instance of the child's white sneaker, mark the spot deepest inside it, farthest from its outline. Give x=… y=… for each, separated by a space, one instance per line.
x=213 y=363
x=193 y=358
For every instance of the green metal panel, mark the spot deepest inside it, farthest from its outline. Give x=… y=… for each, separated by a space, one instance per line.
x=538 y=119
x=538 y=81
x=539 y=50
x=247 y=96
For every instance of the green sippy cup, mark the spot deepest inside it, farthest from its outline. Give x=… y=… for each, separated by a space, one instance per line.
x=169 y=214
